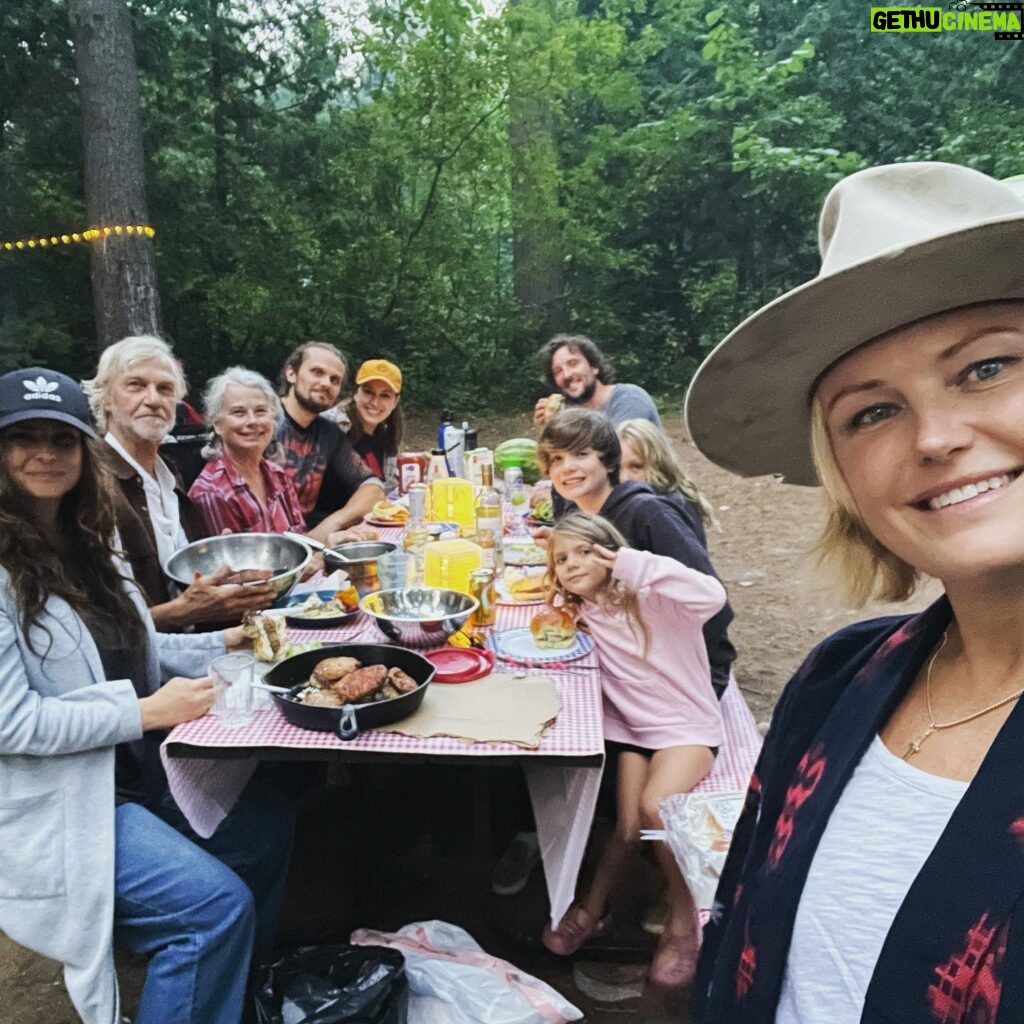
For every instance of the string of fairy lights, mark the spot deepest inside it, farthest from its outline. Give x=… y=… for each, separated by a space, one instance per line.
x=88 y=235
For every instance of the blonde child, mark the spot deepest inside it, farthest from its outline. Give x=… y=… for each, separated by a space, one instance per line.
x=648 y=457
x=661 y=715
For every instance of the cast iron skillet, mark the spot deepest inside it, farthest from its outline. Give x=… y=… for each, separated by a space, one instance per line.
x=351 y=719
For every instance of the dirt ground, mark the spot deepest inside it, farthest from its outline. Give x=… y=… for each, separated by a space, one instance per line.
x=783 y=606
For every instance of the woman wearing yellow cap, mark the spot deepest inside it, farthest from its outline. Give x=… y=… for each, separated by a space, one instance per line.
x=375 y=417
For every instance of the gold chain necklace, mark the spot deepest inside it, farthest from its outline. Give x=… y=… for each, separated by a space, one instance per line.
x=933 y=727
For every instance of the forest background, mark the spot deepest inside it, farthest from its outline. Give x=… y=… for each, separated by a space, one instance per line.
x=445 y=183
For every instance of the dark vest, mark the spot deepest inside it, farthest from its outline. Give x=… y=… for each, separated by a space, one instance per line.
x=136 y=528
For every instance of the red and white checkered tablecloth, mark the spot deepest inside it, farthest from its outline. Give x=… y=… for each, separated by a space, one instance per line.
x=576 y=732
x=562 y=785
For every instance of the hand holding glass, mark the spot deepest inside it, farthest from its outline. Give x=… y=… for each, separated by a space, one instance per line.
x=232 y=680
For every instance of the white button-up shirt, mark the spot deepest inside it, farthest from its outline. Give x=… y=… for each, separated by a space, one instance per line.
x=161 y=502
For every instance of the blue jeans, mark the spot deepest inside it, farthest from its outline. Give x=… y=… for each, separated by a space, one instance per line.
x=198 y=906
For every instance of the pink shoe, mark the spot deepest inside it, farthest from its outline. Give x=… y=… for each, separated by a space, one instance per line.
x=576 y=927
x=675 y=961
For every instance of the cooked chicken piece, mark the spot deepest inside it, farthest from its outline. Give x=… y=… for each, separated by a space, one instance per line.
x=401 y=681
x=330 y=670
x=321 y=698
x=386 y=692
x=358 y=685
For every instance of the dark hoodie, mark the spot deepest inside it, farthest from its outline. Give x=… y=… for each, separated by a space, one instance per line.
x=669 y=524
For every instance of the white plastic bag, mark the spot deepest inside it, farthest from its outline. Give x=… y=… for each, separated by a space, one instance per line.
x=452 y=980
x=698 y=828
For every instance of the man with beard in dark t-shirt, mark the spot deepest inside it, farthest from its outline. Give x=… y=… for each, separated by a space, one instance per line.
x=336 y=488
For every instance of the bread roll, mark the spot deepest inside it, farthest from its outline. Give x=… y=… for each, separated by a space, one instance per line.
x=553 y=629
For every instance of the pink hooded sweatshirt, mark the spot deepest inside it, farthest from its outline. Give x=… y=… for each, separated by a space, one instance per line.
x=663 y=699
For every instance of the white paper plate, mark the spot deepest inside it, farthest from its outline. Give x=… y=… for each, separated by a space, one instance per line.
x=518 y=644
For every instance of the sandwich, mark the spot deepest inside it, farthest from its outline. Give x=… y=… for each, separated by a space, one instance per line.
x=389 y=512
x=523 y=586
x=554 y=406
x=267 y=632
x=553 y=628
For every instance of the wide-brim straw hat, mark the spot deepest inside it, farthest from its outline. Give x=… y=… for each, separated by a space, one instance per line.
x=898 y=243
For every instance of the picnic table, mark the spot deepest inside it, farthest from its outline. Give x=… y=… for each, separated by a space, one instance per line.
x=208 y=765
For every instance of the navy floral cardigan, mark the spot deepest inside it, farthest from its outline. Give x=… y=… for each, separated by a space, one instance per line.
x=955 y=951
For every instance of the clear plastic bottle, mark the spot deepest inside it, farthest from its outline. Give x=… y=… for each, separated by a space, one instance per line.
x=489 y=521
x=416 y=536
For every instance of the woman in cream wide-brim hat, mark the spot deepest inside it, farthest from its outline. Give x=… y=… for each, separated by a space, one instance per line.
x=877 y=873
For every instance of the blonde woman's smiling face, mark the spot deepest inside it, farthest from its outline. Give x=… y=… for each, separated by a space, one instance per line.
x=927 y=429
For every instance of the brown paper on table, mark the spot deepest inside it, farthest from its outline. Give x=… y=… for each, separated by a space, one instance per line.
x=495 y=709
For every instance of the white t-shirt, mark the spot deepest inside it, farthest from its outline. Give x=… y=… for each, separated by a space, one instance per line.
x=882 y=830
x=161 y=502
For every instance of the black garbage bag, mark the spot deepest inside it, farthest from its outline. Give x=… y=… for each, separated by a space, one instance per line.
x=335 y=985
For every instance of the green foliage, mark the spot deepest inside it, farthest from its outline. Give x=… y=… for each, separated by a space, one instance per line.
x=351 y=176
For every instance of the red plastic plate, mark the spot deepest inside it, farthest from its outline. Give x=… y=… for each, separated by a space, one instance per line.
x=460 y=664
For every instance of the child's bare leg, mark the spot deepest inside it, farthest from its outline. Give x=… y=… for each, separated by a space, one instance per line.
x=632 y=777
x=673 y=770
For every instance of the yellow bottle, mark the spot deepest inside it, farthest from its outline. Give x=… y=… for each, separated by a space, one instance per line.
x=451 y=501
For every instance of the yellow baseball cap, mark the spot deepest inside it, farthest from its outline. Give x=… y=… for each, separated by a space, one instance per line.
x=380 y=369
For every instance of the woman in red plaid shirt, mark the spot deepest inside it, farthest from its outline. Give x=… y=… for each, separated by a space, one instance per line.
x=241 y=490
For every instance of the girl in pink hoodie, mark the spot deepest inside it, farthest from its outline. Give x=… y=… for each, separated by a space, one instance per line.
x=661 y=716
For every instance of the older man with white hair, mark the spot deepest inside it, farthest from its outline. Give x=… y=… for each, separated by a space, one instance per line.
x=133 y=396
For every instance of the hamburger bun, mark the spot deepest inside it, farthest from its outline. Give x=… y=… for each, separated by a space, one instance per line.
x=389 y=512
x=553 y=629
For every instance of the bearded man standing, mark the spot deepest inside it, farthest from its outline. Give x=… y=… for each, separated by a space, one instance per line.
x=336 y=488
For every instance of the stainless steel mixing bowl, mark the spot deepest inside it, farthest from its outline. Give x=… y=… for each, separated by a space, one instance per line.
x=284 y=557
x=358 y=558
x=418 y=616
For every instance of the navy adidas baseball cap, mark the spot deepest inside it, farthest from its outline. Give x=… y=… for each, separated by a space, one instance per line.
x=38 y=394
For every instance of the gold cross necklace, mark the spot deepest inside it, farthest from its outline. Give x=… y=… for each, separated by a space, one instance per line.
x=933 y=727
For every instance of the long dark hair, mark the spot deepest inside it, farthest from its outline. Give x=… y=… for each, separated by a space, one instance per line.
x=88 y=578
x=388 y=434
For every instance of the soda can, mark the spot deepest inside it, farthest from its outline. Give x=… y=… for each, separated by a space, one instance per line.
x=418 y=502
x=512 y=477
x=481 y=588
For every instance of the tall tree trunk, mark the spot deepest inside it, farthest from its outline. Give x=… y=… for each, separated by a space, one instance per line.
x=537 y=250
x=123 y=269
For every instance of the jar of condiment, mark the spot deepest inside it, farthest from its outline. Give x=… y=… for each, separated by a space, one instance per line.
x=437 y=467
x=412 y=469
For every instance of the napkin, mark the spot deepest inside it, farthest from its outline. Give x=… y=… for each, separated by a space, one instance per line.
x=498 y=708
x=336 y=580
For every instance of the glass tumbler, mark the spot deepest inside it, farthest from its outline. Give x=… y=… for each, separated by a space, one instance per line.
x=395 y=569
x=232 y=680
